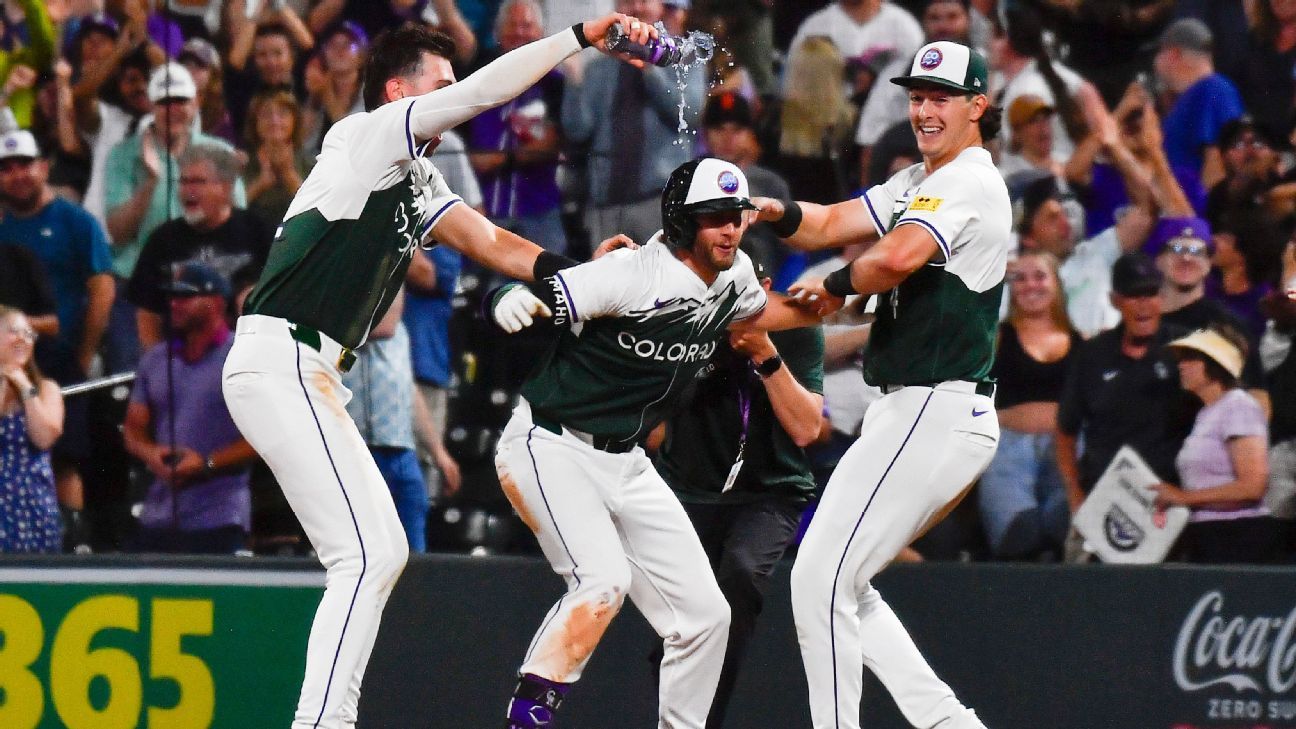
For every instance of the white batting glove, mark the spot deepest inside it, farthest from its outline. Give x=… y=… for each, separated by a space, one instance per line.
x=517 y=308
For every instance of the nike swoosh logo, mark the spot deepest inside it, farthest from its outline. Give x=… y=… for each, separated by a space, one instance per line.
x=978 y=413
x=1110 y=375
x=658 y=303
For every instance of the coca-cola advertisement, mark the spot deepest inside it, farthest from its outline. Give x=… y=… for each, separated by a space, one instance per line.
x=1237 y=666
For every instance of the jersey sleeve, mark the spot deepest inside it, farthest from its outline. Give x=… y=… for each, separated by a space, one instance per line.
x=881 y=200
x=803 y=352
x=437 y=198
x=598 y=288
x=945 y=204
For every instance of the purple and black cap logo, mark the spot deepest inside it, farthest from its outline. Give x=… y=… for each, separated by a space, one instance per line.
x=728 y=182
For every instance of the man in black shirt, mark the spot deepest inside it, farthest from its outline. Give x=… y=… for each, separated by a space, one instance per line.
x=1123 y=388
x=734 y=456
x=211 y=230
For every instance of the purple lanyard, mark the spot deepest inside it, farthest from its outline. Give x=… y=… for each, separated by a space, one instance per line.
x=744 y=407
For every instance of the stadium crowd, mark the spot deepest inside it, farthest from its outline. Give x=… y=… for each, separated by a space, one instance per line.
x=151 y=148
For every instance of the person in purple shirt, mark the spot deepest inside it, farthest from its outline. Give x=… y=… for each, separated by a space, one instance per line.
x=199 y=501
x=514 y=147
x=1206 y=100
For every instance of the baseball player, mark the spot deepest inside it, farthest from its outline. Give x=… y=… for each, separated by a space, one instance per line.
x=633 y=330
x=337 y=261
x=941 y=238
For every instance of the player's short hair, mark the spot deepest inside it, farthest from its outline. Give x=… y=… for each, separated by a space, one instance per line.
x=991 y=122
x=398 y=53
x=224 y=160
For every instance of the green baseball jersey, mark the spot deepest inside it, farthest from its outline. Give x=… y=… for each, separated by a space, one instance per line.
x=939 y=323
x=702 y=438
x=637 y=327
x=346 y=241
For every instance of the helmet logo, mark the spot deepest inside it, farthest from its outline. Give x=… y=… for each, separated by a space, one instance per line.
x=931 y=59
x=728 y=182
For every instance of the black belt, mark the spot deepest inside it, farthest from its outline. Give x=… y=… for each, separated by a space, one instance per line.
x=986 y=389
x=604 y=443
x=310 y=337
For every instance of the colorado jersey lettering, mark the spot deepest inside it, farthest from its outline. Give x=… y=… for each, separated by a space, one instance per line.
x=648 y=318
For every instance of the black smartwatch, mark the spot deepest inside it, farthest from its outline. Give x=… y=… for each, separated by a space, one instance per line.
x=769 y=366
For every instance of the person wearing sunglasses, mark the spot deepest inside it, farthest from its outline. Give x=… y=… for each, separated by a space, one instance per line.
x=1182 y=248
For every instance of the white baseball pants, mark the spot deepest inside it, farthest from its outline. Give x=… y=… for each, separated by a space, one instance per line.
x=289 y=402
x=919 y=450
x=611 y=528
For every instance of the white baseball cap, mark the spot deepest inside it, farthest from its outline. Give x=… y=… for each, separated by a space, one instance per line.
x=19 y=143
x=716 y=181
x=171 y=81
x=948 y=64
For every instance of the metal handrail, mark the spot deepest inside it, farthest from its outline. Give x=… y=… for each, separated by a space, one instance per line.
x=120 y=378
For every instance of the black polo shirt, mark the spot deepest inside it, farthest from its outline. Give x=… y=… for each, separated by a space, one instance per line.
x=1112 y=401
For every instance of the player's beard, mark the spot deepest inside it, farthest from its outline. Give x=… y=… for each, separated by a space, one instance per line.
x=194 y=216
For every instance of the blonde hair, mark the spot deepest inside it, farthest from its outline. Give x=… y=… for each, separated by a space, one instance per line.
x=33 y=372
x=1057 y=309
x=816 y=112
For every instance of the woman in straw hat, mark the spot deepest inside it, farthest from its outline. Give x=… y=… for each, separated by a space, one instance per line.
x=1223 y=464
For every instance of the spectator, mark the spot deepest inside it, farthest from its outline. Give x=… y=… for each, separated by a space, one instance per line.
x=1123 y=389
x=1024 y=66
x=1250 y=168
x=1110 y=41
x=333 y=81
x=1031 y=149
x=1223 y=463
x=211 y=230
x=1205 y=101
x=1022 y=496
x=201 y=59
x=429 y=303
x=630 y=119
x=31 y=419
x=861 y=29
x=1267 y=94
x=1243 y=264
x=729 y=131
x=374 y=16
x=273 y=49
x=749 y=27
x=388 y=412
x=142 y=191
x=32 y=45
x=816 y=123
x=73 y=251
x=277 y=161
x=25 y=287
x=734 y=455
x=515 y=146
x=110 y=94
x=178 y=425
x=887 y=104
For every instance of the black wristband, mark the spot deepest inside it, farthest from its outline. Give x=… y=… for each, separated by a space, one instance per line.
x=838 y=283
x=769 y=366
x=579 y=30
x=547 y=264
x=787 y=225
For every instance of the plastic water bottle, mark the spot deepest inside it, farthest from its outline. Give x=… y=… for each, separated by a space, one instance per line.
x=665 y=50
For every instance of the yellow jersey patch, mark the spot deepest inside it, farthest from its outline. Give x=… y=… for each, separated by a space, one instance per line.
x=925 y=203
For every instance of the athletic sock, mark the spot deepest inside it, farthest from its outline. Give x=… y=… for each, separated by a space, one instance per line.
x=534 y=702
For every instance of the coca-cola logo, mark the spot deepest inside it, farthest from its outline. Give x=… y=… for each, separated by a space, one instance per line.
x=1247 y=653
